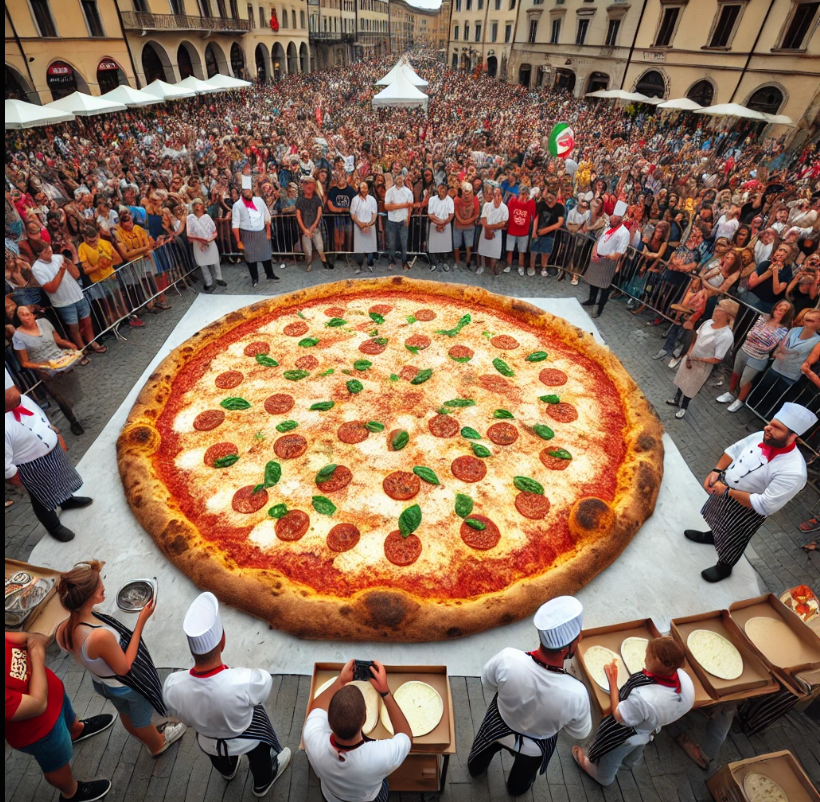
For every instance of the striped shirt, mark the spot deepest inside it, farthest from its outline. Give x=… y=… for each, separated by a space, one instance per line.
x=762 y=339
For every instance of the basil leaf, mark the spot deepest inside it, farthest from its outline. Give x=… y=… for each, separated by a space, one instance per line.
x=444 y=411
x=550 y=399
x=308 y=342
x=226 y=461
x=480 y=450
x=380 y=340
x=463 y=321
x=278 y=511
x=544 y=432
x=470 y=433
x=322 y=406
x=376 y=317
x=260 y=436
x=527 y=485
x=464 y=505
x=374 y=426
x=362 y=364
x=459 y=403
x=487 y=334
x=266 y=361
x=235 y=403
x=560 y=453
x=257 y=488
x=273 y=473
x=400 y=440
x=422 y=376
x=426 y=475
x=503 y=413
x=295 y=375
x=413 y=349
x=394 y=377
x=410 y=520
x=473 y=523
x=411 y=319
x=373 y=333
x=301 y=316
x=460 y=359
x=502 y=367
x=335 y=322
x=327 y=372
x=347 y=372
x=536 y=356
x=286 y=426
x=354 y=386
x=326 y=473
x=322 y=505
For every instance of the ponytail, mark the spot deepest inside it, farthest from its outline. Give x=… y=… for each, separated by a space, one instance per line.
x=75 y=588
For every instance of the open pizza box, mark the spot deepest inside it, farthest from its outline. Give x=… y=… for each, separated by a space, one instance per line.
x=790 y=650
x=756 y=679
x=729 y=783
x=49 y=613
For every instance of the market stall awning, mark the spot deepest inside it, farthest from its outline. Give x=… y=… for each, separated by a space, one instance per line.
x=620 y=94
x=779 y=119
x=401 y=93
x=193 y=84
x=227 y=82
x=681 y=104
x=20 y=114
x=166 y=91
x=131 y=97
x=86 y=105
x=391 y=76
x=731 y=110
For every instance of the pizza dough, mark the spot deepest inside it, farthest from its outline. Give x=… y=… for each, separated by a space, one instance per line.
x=595 y=658
x=633 y=651
x=421 y=704
x=775 y=639
x=715 y=654
x=760 y=788
x=372 y=702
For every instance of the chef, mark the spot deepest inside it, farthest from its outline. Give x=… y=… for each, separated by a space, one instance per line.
x=753 y=479
x=225 y=706
x=606 y=253
x=534 y=698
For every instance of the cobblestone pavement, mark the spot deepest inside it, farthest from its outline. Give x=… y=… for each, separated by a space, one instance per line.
x=185 y=774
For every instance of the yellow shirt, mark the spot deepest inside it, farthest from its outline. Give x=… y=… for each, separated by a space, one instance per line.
x=91 y=256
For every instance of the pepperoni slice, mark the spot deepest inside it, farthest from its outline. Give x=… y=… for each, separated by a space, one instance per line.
x=408 y=372
x=480 y=539
x=279 y=404
x=372 y=347
x=290 y=446
x=256 y=348
x=353 y=432
x=343 y=537
x=296 y=329
x=461 y=352
x=402 y=550
x=553 y=463
x=209 y=419
x=341 y=478
x=307 y=362
x=563 y=412
x=532 y=505
x=218 y=450
x=504 y=342
x=496 y=384
x=420 y=341
x=424 y=315
x=552 y=377
x=502 y=434
x=335 y=311
x=443 y=426
x=246 y=501
x=468 y=469
x=380 y=309
x=228 y=380
x=292 y=525
x=401 y=485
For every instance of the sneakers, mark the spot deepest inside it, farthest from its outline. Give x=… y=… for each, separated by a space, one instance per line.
x=674 y=362
x=508 y=268
x=77 y=428
x=89 y=791
x=282 y=266
x=726 y=398
x=661 y=354
x=520 y=271
x=530 y=271
x=255 y=284
x=76 y=503
x=544 y=272
x=135 y=323
x=282 y=761
x=94 y=726
x=433 y=266
x=673 y=402
x=209 y=288
x=680 y=413
x=62 y=533
x=357 y=270
x=273 y=277
x=173 y=732
x=480 y=270
x=391 y=266
x=370 y=264
x=221 y=283
x=735 y=405
x=229 y=777
x=328 y=266
x=445 y=267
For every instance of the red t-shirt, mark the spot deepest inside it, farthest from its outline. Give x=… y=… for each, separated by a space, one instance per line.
x=464 y=211
x=18 y=675
x=521 y=215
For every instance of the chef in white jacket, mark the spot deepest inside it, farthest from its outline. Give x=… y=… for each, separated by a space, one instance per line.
x=752 y=480
x=225 y=706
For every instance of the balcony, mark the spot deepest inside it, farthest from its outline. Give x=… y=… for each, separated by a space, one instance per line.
x=331 y=37
x=145 y=21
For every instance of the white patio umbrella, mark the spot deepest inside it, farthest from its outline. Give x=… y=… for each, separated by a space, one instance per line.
x=779 y=119
x=193 y=84
x=20 y=114
x=731 y=110
x=654 y=101
x=131 y=97
x=621 y=94
x=86 y=105
x=598 y=93
x=681 y=104
x=166 y=91
x=227 y=82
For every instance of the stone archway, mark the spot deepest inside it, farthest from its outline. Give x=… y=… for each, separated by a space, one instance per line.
x=18 y=88
x=63 y=79
x=279 y=65
x=455 y=61
x=293 y=59
x=702 y=92
x=492 y=66
x=155 y=63
x=597 y=81
x=189 y=61
x=525 y=75
x=304 y=58
x=652 y=84
x=237 y=61
x=767 y=99
x=215 y=61
x=565 y=80
x=110 y=75
x=262 y=58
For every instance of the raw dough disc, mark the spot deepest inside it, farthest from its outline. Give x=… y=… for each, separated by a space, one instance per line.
x=595 y=658
x=715 y=654
x=371 y=700
x=633 y=651
x=774 y=638
x=760 y=788
x=421 y=704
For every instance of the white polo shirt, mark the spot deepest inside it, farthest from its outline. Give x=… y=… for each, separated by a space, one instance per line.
x=396 y=195
x=69 y=291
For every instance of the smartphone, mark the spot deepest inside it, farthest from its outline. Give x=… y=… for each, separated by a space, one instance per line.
x=361 y=670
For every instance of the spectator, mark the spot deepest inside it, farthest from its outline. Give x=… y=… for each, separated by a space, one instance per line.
x=364 y=212
x=440 y=210
x=771 y=279
x=308 y=217
x=494 y=217
x=606 y=255
x=202 y=232
x=339 y=197
x=466 y=209
x=398 y=203
x=804 y=287
x=548 y=219
x=521 y=210
x=250 y=220
x=20 y=283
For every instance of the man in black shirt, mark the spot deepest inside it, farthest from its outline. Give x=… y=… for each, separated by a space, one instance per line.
x=549 y=218
x=339 y=229
x=308 y=217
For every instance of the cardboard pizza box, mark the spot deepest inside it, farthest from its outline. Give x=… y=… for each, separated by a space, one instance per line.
x=756 y=679
x=50 y=613
x=726 y=785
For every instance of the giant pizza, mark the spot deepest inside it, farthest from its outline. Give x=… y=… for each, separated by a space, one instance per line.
x=391 y=459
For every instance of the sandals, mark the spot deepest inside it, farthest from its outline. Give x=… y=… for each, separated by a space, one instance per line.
x=692 y=751
x=812 y=525
x=84 y=361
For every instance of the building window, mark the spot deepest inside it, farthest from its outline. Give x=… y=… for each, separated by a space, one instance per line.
x=43 y=18
x=498 y=5
x=466 y=31
x=479 y=4
x=220 y=7
x=533 y=32
x=458 y=5
x=177 y=7
x=581 y=33
x=800 y=25
x=494 y=32
x=478 y=32
x=469 y=5
x=455 y=33
x=508 y=32
x=92 y=18
x=205 y=9
x=262 y=19
x=612 y=32
x=285 y=19
x=669 y=22
x=512 y=5
x=555 y=32
x=722 y=33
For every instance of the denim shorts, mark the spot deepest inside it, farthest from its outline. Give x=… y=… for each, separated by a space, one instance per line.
x=54 y=750
x=542 y=244
x=521 y=242
x=463 y=237
x=127 y=702
x=73 y=313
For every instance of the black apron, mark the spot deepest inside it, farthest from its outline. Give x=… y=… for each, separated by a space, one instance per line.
x=732 y=524
x=260 y=729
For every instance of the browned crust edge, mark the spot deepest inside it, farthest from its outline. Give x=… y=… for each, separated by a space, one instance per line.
x=388 y=614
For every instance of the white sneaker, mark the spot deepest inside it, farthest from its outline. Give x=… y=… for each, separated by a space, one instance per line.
x=282 y=266
x=432 y=267
x=680 y=413
x=574 y=281
x=530 y=271
x=445 y=267
x=735 y=405
x=283 y=760
x=508 y=268
x=520 y=271
x=725 y=398
x=480 y=270
x=544 y=272
x=357 y=270
x=677 y=352
x=660 y=355
x=172 y=732
x=674 y=362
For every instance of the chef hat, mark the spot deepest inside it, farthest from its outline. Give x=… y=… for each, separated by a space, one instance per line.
x=796 y=417
x=620 y=209
x=558 y=621
x=202 y=624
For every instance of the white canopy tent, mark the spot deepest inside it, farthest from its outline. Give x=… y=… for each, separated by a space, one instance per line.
x=401 y=93
x=131 y=97
x=83 y=105
x=166 y=91
x=193 y=84
x=620 y=94
x=414 y=77
x=227 y=82
x=731 y=110
x=681 y=104
x=391 y=76
x=20 y=114
x=779 y=119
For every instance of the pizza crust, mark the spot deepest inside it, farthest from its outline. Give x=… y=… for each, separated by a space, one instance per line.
x=601 y=529
x=760 y=788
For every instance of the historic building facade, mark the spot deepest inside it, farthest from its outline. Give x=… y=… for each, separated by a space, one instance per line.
x=482 y=33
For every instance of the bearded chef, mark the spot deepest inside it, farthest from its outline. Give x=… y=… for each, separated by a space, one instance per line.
x=753 y=479
x=225 y=706
x=535 y=698
x=606 y=254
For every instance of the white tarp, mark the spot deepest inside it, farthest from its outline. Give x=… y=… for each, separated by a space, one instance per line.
x=20 y=114
x=227 y=82
x=166 y=91
x=401 y=93
x=391 y=76
x=86 y=105
x=193 y=84
x=131 y=97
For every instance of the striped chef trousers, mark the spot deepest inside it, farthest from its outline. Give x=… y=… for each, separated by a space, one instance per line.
x=732 y=524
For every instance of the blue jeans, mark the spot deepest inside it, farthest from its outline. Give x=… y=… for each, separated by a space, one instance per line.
x=399 y=230
x=54 y=750
x=629 y=755
x=73 y=313
x=127 y=702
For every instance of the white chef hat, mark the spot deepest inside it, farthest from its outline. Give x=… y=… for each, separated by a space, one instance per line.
x=620 y=208
x=559 y=621
x=796 y=417
x=202 y=624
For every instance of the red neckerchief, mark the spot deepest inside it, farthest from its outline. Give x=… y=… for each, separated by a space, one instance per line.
x=609 y=233
x=554 y=669
x=19 y=411
x=209 y=673
x=667 y=682
x=250 y=204
x=768 y=452
x=341 y=748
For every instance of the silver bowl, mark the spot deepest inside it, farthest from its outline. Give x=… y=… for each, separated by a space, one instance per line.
x=136 y=594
